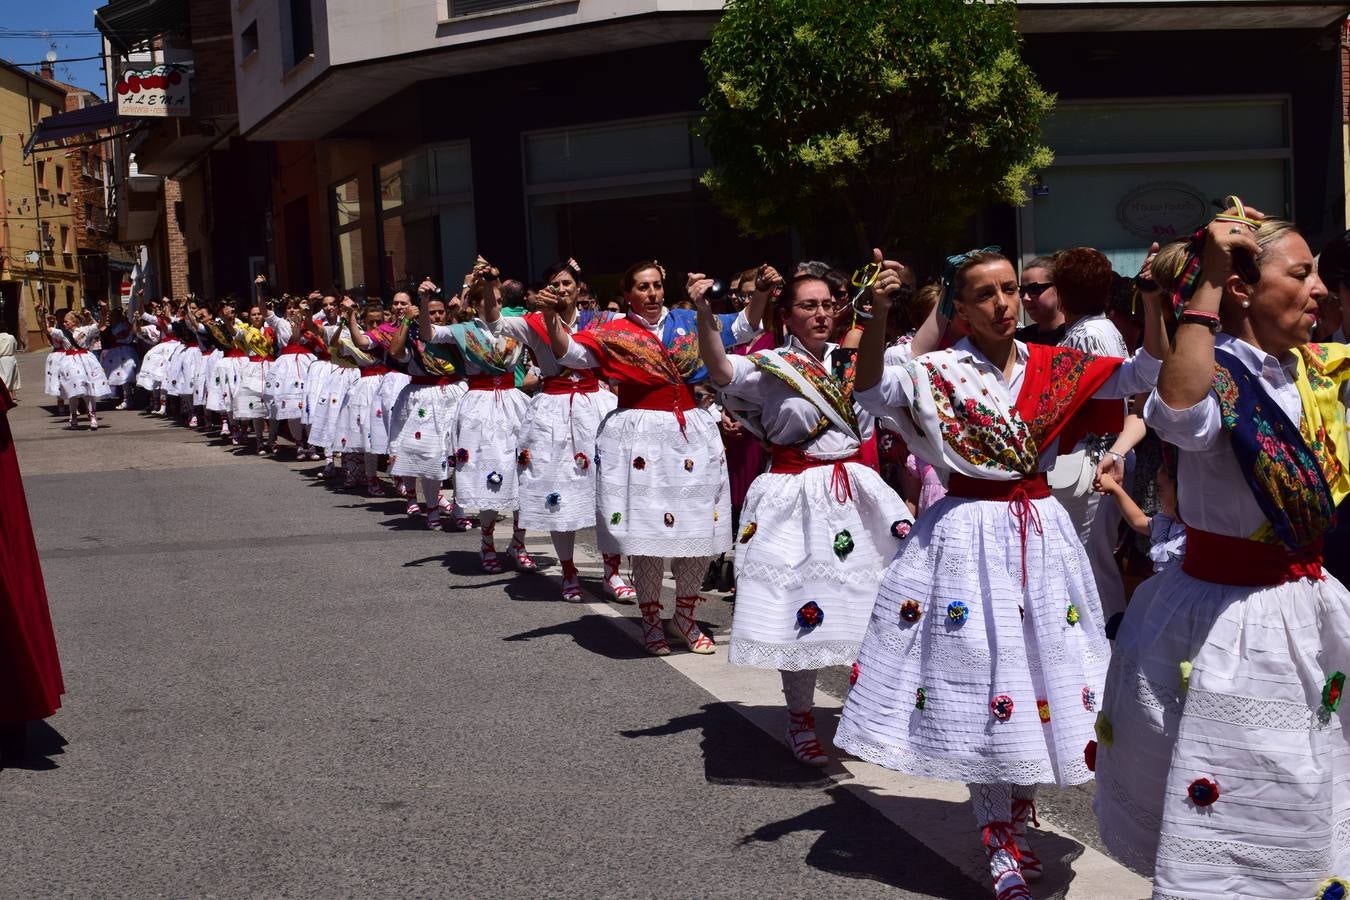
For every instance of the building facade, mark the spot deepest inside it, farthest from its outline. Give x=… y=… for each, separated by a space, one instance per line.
x=39 y=201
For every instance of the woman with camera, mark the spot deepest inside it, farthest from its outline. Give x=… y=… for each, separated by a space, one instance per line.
x=1221 y=755
x=555 y=460
x=661 y=487
x=985 y=654
x=818 y=529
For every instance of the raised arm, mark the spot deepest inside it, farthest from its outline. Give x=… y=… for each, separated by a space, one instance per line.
x=709 y=331
x=359 y=337
x=767 y=282
x=1189 y=371
x=872 y=347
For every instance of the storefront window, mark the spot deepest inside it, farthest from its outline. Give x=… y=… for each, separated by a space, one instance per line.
x=1128 y=174
x=347 y=248
x=426 y=215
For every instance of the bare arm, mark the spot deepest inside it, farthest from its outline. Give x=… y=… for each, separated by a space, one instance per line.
x=710 y=347
x=767 y=280
x=359 y=337
x=1129 y=510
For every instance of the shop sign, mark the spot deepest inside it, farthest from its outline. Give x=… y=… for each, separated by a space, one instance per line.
x=158 y=91
x=1163 y=211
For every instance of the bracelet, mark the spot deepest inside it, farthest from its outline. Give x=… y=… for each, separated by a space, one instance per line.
x=1119 y=456
x=1208 y=320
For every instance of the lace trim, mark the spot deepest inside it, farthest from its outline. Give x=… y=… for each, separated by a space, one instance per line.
x=1156 y=695
x=668 y=494
x=1250 y=712
x=1126 y=853
x=1276 y=863
x=674 y=547
x=1147 y=821
x=795 y=657
x=982 y=771
x=782 y=577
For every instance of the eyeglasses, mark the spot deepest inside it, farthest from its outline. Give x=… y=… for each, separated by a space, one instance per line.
x=1034 y=288
x=813 y=309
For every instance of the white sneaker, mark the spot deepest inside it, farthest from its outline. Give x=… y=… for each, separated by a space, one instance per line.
x=122 y=405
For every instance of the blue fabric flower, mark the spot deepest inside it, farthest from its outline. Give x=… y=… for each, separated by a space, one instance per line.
x=957 y=611
x=553 y=499
x=494 y=479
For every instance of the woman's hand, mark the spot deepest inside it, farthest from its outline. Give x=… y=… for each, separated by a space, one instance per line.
x=886 y=285
x=767 y=280
x=426 y=290
x=697 y=288
x=1222 y=239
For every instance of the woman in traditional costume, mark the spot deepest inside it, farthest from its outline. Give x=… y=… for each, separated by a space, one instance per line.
x=257 y=341
x=344 y=357
x=555 y=461
x=362 y=429
x=320 y=371
x=489 y=420
x=118 y=356
x=1221 y=754
x=284 y=390
x=985 y=653
x=78 y=374
x=422 y=433
x=661 y=488
x=817 y=529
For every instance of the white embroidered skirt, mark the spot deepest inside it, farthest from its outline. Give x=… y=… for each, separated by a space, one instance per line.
x=153 y=364
x=557 y=490
x=422 y=434
x=176 y=380
x=324 y=414
x=488 y=426
x=51 y=384
x=206 y=371
x=316 y=380
x=1010 y=687
x=218 y=385
x=362 y=424
x=798 y=544
x=1250 y=718
x=284 y=390
x=660 y=492
x=246 y=389
x=119 y=365
x=78 y=374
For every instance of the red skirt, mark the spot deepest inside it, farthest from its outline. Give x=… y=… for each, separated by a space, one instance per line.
x=28 y=659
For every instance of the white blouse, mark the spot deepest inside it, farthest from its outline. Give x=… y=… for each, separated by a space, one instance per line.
x=785 y=415
x=985 y=382
x=1212 y=493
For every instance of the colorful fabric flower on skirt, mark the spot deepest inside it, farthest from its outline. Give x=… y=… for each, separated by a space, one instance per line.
x=639 y=463
x=616 y=518
x=1090 y=756
x=843 y=544
x=854 y=673
x=553 y=499
x=1203 y=792
x=1106 y=735
x=1089 y=698
x=670 y=519
x=1002 y=707
x=748 y=532
x=461 y=456
x=689 y=465
x=810 y=616
x=1331 y=692
x=1186 y=668
x=910 y=611
x=523 y=458
x=900 y=530
x=421 y=412
x=417 y=435
x=1071 y=615
x=494 y=479
x=1333 y=889
x=582 y=461
x=920 y=698
x=1043 y=710
x=957 y=612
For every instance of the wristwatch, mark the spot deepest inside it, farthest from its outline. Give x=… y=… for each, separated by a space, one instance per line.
x=1191 y=318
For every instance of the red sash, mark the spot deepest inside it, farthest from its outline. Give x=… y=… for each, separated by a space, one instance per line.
x=75 y=352
x=482 y=382
x=235 y=353
x=376 y=369
x=433 y=380
x=1220 y=559
x=206 y=351
x=584 y=382
x=257 y=359
x=294 y=350
x=788 y=460
x=1017 y=494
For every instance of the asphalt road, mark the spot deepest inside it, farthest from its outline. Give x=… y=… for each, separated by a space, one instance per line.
x=278 y=689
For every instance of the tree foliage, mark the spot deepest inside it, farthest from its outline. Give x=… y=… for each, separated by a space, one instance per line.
x=890 y=120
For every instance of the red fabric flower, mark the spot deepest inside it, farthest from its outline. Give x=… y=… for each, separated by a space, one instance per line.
x=1203 y=792
x=639 y=463
x=1090 y=755
x=1002 y=707
x=853 y=675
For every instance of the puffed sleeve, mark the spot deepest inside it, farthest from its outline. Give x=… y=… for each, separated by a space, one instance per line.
x=1194 y=428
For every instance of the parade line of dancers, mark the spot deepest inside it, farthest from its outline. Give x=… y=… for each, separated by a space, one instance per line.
x=979 y=631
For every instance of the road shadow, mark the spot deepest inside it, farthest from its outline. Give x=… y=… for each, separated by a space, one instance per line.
x=857 y=841
x=36 y=744
x=738 y=752
x=593 y=633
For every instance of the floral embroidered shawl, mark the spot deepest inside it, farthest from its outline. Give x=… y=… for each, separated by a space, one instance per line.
x=491 y=354
x=1297 y=472
x=630 y=353
x=951 y=420
x=836 y=392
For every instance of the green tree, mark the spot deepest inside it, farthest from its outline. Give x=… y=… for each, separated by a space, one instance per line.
x=889 y=121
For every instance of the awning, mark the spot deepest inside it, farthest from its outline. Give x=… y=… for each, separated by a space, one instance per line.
x=126 y=23
x=78 y=121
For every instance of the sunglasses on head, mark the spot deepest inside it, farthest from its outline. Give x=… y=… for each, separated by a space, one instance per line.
x=1035 y=288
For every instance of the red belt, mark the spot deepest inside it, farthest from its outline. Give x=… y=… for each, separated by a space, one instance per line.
x=293 y=350
x=672 y=398
x=235 y=353
x=74 y=352
x=791 y=461
x=377 y=369
x=207 y=351
x=573 y=382
x=440 y=380
x=1220 y=559
x=482 y=382
x=1017 y=494
x=253 y=358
